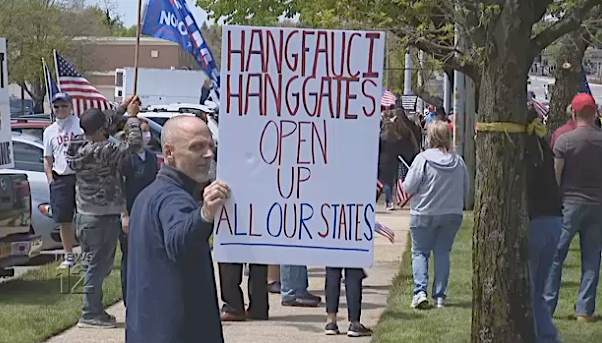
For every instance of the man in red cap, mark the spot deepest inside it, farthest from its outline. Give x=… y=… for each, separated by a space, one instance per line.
x=578 y=165
x=569 y=126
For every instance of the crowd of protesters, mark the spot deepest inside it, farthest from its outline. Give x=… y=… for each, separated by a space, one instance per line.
x=162 y=218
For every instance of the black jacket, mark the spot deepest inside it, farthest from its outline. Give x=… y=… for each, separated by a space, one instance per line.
x=543 y=194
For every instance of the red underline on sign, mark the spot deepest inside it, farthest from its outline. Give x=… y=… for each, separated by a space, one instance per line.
x=296 y=246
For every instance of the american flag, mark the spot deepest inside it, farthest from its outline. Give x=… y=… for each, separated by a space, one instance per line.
x=379 y=186
x=401 y=196
x=78 y=87
x=388 y=99
x=384 y=231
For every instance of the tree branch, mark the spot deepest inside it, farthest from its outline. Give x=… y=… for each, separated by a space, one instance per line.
x=569 y=22
x=26 y=89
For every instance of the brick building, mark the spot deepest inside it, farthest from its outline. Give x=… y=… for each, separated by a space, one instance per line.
x=110 y=53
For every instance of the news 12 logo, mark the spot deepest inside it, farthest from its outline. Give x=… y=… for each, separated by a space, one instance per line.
x=72 y=278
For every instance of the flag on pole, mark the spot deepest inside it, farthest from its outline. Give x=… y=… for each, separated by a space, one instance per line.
x=172 y=20
x=384 y=231
x=83 y=93
x=400 y=195
x=51 y=86
x=388 y=99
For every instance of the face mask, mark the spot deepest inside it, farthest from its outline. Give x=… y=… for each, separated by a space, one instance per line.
x=146 y=137
x=63 y=122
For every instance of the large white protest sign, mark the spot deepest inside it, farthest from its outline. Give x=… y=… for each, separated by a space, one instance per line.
x=299 y=125
x=6 y=145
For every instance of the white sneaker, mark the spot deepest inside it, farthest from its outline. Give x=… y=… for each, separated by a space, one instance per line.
x=68 y=261
x=390 y=207
x=420 y=301
x=440 y=302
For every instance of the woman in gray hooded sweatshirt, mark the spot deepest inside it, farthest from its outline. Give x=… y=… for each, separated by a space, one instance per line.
x=437 y=182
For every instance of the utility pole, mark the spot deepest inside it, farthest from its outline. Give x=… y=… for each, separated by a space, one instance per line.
x=459 y=103
x=447 y=89
x=408 y=68
x=421 y=80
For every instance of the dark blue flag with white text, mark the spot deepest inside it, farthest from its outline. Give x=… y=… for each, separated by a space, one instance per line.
x=172 y=20
x=51 y=86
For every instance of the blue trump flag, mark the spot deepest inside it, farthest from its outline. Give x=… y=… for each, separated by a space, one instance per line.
x=172 y=20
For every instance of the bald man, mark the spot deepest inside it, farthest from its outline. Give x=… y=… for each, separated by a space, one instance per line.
x=171 y=292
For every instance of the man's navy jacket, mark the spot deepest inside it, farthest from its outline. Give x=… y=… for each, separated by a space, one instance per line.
x=171 y=292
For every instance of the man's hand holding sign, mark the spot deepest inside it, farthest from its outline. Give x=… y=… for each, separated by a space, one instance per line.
x=300 y=114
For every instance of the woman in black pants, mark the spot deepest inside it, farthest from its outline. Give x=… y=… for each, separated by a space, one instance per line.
x=353 y=286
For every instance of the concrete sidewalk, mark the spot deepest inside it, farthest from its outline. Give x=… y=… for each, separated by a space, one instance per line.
x=295 y=325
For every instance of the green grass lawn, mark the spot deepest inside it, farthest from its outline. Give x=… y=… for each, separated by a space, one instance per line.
x=400 y=323
x=32 y=308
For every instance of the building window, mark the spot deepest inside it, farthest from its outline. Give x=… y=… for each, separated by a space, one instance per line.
x=154 y=53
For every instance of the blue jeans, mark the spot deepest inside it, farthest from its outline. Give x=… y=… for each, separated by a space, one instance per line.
x=98 y=237
x=293 y=280
x=432 y=233
x=388 y=193
x=587 y=221
x=353 y=291
x=544 y=234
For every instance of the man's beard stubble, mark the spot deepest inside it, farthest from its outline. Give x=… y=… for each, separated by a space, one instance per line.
x=209 y=176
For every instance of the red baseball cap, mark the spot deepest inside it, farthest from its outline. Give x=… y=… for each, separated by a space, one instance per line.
x=582 y=100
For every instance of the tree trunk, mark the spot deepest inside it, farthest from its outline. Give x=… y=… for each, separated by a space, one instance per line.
x=37 y=92
x=501 y=311
x=572 y=48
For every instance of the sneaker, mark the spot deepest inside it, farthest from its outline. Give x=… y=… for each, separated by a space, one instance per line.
x=110 y=317
x=440 y=302
x=311 y=297
x=68 y=261
x=358 y=330
x=98 y=323
x=586 y=319
x=420 y=301
x=331 y=329
x=390 y=207
x=274 y=287
x=232 y=317
x=300 y=302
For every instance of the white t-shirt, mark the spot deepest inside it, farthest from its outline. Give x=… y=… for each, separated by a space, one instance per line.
x=56 y=141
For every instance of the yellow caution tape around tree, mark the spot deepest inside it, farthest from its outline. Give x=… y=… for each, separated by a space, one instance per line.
x=536 y=127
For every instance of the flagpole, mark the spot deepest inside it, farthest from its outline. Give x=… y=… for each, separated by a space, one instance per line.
x=45 y=67
x=137 y=54
x=56 y=69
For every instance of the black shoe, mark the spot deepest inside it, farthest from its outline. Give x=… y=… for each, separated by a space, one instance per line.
x=299 y=302
x=274 y=287
x=331 y=329
x=309 y=296
x=358 y=330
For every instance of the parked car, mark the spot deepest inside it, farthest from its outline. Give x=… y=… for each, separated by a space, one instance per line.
x=29 y=160
x=35 y=126
x=18 y=242
x=160 y=117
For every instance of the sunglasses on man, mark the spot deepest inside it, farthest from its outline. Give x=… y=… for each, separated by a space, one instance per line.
x=61 y=106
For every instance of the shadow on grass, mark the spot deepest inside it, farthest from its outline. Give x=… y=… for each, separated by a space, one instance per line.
x=33 y=309
x=399 y=323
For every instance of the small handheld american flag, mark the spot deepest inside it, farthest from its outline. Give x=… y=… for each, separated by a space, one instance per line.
x=400 y=196
x=384 y=231
x=388 y=99
x=83 y=93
